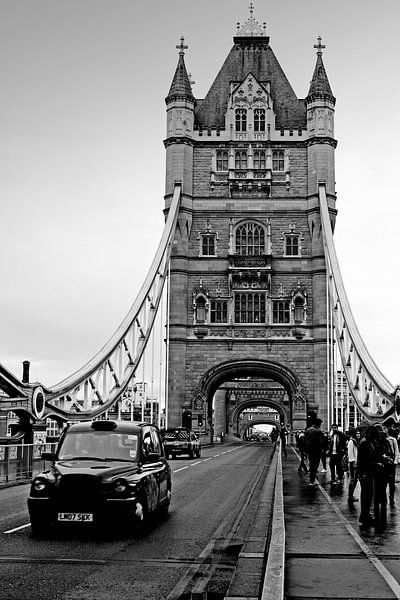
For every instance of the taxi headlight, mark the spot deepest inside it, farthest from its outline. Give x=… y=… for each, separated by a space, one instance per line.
x=39 y=484
x=121 y=486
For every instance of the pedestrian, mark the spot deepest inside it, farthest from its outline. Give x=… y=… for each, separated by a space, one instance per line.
x=300 y=441
x=325 y=447
x=282 y=434
x=392 y=439
x=383 y=465
x=336 y=451
x=313 y=440
x=366 y=461
x=352 y=451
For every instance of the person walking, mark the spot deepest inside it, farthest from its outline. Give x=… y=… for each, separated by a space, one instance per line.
x=300 y=441
x=352 y=451
x=366 y=465
x=392 y=439
x=283 y=435
x=324 y=452
x=384 y=462
x=336 y=451
x=313 y=440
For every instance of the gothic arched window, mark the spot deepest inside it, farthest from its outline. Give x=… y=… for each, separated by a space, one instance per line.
x=222 y=160
x=241 y=119
x=259 y=119
x=259 y=159
x=278 y=160
x=241 y=160
x=250 y=239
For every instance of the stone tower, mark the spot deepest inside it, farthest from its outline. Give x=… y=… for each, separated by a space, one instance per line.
x=248 y=277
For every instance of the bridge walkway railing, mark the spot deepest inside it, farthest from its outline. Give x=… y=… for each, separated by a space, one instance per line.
x=20 y=462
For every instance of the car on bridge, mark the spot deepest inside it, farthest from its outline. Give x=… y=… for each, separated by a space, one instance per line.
x=178 y=440
x=102 y=472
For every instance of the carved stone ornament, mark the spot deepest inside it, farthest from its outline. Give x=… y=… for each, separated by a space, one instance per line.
x=299 y=400
x=198 y=403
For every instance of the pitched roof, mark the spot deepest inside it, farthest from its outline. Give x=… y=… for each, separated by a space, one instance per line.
x=251 y=54
x=320 y=84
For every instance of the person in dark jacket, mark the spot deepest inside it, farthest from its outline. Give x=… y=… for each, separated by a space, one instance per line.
x=384 y=461
x=336 y=451
x=314 y=443
x=366 y=465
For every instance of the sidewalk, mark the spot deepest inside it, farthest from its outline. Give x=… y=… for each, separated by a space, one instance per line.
x=328 y=556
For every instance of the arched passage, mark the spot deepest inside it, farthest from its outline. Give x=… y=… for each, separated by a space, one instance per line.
x=293 y=415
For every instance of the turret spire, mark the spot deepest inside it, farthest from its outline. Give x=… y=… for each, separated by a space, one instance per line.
x=181 y=85
x=319 y=86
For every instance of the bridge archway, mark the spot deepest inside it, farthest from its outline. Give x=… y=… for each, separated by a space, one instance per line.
x=292 y=413
x=244 y=428
x=239 y=426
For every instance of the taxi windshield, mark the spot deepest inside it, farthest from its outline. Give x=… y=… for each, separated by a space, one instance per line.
x=100 y=445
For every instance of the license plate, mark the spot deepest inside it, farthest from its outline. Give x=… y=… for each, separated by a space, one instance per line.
x=76 y=517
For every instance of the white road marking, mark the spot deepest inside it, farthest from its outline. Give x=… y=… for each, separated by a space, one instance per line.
x=17 y=528
x=176 y=471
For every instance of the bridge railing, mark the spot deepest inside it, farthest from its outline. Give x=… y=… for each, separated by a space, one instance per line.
x=20 y=462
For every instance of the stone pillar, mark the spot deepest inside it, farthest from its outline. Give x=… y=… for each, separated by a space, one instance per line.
x=219 y=404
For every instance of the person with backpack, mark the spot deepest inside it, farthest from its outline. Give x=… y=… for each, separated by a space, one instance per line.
x=314 y=441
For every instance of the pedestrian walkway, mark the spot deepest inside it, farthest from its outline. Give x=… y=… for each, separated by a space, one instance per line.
x=328 y=556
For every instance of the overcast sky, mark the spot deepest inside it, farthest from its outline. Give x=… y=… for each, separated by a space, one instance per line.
x=82 y=161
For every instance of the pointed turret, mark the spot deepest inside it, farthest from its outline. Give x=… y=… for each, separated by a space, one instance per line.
x=180 y=121
x=319 y=86
x=320 y=104
x=181 y=85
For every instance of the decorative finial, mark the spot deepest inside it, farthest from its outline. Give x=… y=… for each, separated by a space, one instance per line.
x=319 y=46
x=182 y=47
x=251 y=7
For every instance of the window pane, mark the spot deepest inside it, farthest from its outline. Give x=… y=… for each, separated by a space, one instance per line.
x=292 y=245
x=250 y=308
x=250 y=239
x=278 y=160
x=240 y=119
x=208 y=245
x=222 y=160
x=259 y=119
x=281 y=311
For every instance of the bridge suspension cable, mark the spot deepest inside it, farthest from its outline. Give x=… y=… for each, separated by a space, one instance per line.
x=371 y=391
x=101 y=382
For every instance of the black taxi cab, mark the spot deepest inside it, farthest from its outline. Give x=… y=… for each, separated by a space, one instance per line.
x=101 y=472
x=178 y=440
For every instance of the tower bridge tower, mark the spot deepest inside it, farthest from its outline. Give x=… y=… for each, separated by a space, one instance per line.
x=248 y=274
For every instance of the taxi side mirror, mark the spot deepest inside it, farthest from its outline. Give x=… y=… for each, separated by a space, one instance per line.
x=153 y=457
